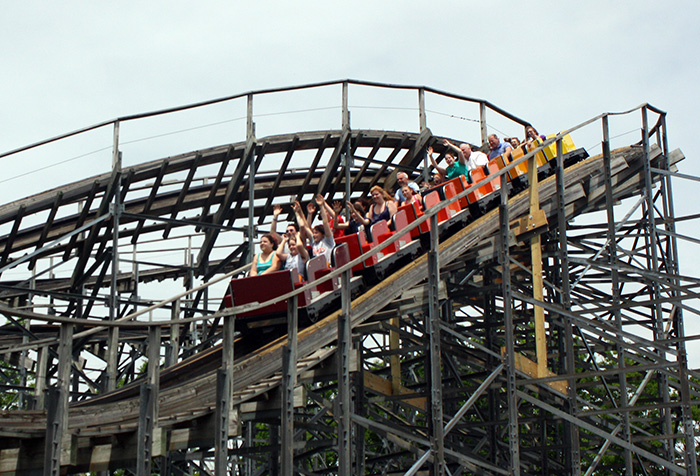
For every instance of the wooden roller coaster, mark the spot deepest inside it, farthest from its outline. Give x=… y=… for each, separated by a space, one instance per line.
x=520 y=328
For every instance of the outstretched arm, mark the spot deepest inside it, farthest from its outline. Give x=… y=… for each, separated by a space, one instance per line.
x=310 y=210
x=441 y=170
x=280 y=249
x=324 y=215
x=337 y=208
x=356 y=215
x=276 y=210
x=301 y=221
x=303 y=252
x=508 y=152
x=332 y=215
x=460 y=155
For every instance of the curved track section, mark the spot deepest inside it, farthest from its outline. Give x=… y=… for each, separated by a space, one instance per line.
x=207 y=189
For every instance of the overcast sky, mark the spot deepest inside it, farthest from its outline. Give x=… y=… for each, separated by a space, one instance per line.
x=66 y=65
x=70 y=64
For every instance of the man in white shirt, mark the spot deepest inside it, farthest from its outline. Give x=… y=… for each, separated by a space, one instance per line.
x=473 y=158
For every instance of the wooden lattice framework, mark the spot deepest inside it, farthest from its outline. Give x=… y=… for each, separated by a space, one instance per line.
x=467 y=360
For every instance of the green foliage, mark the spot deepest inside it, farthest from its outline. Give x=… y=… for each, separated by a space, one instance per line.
x=649 y=416
x=8 y=400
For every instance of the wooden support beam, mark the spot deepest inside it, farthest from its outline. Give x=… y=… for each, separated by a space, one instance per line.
x=289 y=381
x=534 y=222
x=531 y=369
x=151 y=198
x=536 y=261
x=437 y=436
x=203 y=215
x=184 y=190
x=148 y=408
x=395 y=360
x=413 y=157
x=93 y=234
x=325 y=143
x=343 y=357
x=270 y=404
x=278 y=179
x=84 y=213
x=229 y=197
x=390 y=161
x=59 y=441
x=13 y=234
x=382 y=386
x=482 y=123
x=244 y=195
x=115 y=452
x=224 y=391
x=47 y=226
x=363 y=168
x=332 y=167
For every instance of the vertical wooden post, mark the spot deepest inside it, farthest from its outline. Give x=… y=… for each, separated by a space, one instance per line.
x=573 y=455
x=24 y=397
x=511 y=389
x=422 y=118
x=40 y=384
x=394 y=360
x=437 y=444
x=148 y=405
x=346 y=109
x=113 y=332
x=686 y=411
x=615 y=289
x=655 y=294
x=248 y=463
x=289 y=380
x=537 y=281
x=250 y=156
x=57 y=436
x=359 y=408
x=135 y=272
x=348 y=161
x=482 y=122
x=224 y=396
x=344 y=400
x=173 y=347
x=423 y=123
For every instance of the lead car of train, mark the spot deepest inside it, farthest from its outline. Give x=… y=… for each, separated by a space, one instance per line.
x=324 y=297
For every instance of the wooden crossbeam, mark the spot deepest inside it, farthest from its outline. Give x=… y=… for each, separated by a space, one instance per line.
x=13 y=234
x=183 y=193
x=204 y=214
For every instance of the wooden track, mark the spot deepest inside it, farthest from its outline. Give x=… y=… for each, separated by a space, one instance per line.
x=186 y=407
